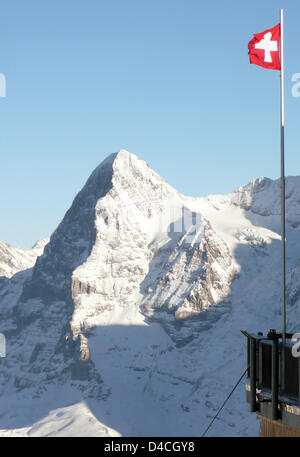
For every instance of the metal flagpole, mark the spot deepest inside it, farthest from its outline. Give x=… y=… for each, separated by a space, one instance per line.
x=283 y=298
x=282 y=175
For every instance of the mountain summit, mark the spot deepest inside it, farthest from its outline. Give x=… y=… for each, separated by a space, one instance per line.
x=137 y=300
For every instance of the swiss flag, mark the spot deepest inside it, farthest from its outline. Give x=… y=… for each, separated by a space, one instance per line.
x=264 y=48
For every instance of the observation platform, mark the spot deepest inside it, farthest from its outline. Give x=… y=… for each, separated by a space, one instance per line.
x=273 y=387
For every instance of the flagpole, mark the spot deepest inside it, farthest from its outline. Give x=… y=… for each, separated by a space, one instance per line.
x=283 y=269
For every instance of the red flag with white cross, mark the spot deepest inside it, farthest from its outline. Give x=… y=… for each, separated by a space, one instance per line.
x=264 y=48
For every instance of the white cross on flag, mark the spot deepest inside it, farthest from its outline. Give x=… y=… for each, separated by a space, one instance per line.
x=264 y=48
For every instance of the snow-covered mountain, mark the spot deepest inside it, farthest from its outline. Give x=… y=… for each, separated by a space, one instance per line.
x=129 y=322
x=13 y=260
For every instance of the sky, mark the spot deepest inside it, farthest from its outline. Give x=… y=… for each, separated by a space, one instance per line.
x=168 y=80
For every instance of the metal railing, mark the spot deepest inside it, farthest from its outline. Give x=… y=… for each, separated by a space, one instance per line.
x=268 y=358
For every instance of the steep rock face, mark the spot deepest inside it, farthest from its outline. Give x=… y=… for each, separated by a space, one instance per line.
x=186 y=277
x=71 y=242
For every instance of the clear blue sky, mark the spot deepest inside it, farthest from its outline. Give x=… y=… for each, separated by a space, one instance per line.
x=168 y=80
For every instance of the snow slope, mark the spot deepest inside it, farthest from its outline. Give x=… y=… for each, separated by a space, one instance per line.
x=132 y=315
x=13 y=260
